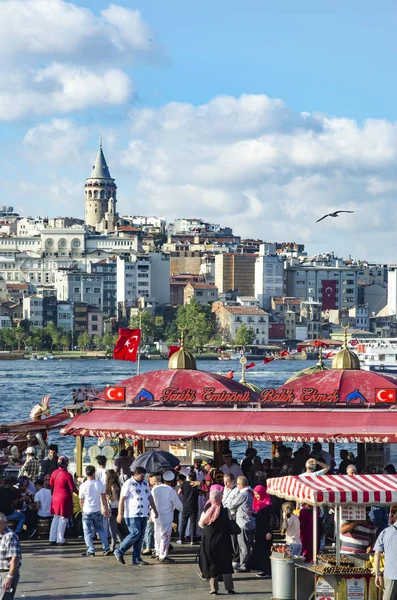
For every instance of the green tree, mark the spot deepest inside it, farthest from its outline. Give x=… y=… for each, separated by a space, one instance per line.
x=8 y=338
x=65 y=341
x=171 y=333
x=108 y=340
x=20 y=336
x=196 y=322
x=83 y=340
x=54 y=333
x=245 y=336
x=97 y=339
x=146 y=321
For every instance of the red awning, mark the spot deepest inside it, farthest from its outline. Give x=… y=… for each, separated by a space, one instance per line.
x=336 y=489
x=52 y=422
x=336 y=425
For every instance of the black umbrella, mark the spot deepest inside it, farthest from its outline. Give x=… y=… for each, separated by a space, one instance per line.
x=156 y=460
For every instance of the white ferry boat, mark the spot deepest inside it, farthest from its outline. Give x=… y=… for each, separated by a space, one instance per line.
x=378 y=355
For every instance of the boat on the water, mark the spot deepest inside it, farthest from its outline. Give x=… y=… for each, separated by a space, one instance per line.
x=378 y=355
x=48 y=357
x=229 y=357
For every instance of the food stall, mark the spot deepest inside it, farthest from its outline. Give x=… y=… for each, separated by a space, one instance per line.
x=330 y=576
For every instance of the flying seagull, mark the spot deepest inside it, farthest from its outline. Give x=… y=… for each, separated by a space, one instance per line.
x=335 y=214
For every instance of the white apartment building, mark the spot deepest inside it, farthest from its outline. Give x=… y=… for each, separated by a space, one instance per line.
x=77 y=286
x=32 y=310
x=230 y=318
x=305 y=283
x=133 y=278
x=160 y=277
x=392 y=290
x=269 y=272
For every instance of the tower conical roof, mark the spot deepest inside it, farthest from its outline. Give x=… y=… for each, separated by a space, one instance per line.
x=100 y=169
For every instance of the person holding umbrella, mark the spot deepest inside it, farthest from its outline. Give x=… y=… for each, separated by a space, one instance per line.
x=134 y=506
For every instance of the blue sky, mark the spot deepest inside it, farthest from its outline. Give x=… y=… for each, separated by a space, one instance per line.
x=256 y=115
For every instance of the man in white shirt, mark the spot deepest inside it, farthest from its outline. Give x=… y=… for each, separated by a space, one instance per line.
x=101 y=469
x=92 y=494
x=311 y=465
x=42 y=499
x=230 y=467
x=166 y=500
x=242 y=504
x=230 y=492
x=134 y=506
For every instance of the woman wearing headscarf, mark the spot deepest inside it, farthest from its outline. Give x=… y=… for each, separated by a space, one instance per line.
x=63 y=486
x=215 y=558
x=260 y=557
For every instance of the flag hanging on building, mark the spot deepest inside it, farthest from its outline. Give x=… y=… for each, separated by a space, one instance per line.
x=328 y=289
x=127 y=345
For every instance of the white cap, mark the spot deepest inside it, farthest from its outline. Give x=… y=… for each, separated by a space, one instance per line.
x=30 y=450
x=168 y=476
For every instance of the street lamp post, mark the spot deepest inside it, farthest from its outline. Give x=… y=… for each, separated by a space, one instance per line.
x=72 y=317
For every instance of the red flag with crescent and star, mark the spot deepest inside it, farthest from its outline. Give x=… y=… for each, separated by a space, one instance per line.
x=385 y=396
x=127 y=345
x=328 y=289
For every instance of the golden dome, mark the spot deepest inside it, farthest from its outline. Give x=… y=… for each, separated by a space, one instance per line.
x=308 y=371
x=182 y=359
x=345 y=358
x=253 y=387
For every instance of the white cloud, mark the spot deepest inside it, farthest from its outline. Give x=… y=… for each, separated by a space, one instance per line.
x=56 y=57
x=247 y=162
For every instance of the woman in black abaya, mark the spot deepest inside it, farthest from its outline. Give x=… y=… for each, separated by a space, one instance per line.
x=215 y=558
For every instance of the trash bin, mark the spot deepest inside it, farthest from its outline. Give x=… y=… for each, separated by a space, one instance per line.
x=283 y=577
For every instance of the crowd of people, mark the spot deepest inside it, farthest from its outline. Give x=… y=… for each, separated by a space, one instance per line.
x=225 y=511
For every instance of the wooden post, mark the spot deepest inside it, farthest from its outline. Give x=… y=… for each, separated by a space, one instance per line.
x=331 y=449
x=337 y=513
x=274 y=447
x=361 y=456
x=79 y=455
x=315 y=528
x=218 y=453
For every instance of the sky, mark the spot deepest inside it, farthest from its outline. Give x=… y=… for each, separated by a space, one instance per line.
x=253 y=115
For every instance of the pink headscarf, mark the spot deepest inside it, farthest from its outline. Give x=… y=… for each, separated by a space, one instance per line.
x=210 y=515
x=264 y=498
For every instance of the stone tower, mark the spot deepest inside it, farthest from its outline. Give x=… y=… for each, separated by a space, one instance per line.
x=99 y=189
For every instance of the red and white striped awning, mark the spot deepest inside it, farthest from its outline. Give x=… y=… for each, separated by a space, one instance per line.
x=336 y=489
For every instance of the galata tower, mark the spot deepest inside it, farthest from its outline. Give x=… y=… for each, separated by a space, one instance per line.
x=99 y=189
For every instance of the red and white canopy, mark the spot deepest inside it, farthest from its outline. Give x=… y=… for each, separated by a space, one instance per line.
x=336 y=489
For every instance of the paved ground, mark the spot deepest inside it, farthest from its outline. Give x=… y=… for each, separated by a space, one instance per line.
x=52 y=572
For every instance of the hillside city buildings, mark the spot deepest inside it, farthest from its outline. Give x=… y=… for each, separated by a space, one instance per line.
x=92 y=275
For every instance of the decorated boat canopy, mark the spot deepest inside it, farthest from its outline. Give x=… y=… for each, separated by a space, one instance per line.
x=336 y=489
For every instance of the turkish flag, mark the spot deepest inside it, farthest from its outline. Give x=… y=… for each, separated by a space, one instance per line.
x=172 y=350
x=300 y=348
x=354 y=342
x=229 y=374
x=127 y=345
x=284 y=353
x=250 y=366
x=328 y=288
x=115 y=394
x=267 y=360
x=385 y=396
x=329 y=355
x=320 y=344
